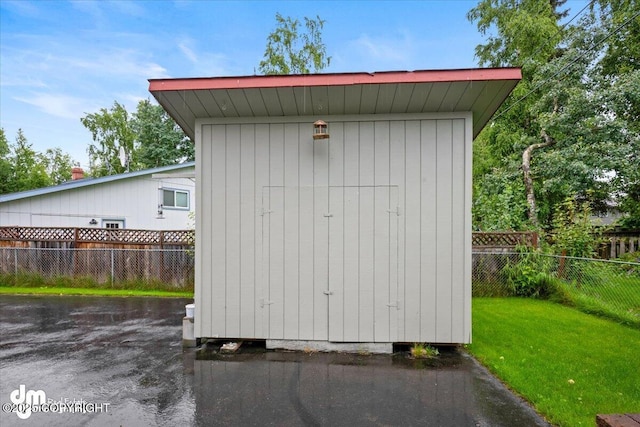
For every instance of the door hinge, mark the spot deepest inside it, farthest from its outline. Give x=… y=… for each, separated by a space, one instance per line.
x=327 y=292
x=328 y=215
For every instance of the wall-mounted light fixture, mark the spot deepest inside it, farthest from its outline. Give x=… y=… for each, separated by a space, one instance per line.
x=320 y=130
x=93 y=221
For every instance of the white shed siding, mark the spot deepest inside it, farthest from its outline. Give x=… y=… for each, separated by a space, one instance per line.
x=360 y=237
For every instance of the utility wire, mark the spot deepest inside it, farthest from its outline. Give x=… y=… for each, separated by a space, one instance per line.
x=542 y=83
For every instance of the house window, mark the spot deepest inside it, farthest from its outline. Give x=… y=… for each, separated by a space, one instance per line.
x=175 y=199
x=113 y=223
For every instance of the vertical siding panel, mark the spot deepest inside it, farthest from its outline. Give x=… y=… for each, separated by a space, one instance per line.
x=202 y=292
x=305 y=242
x=351 y=231
x=444 y=230
x=412 y=238
x=396 y=177
x=430 y=245
x=291 y=238
x=218 y=230
x=320 y=238
x=367 y=265
x=468 y=161
x=336 y=233
x=381 y=217
x=248 y=208
x=277 y=260
x=262 y=230
x=232 y=230
x=458 y=232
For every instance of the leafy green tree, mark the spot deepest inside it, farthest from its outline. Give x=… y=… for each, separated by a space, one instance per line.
x=58 y=165
x=30 y=169
x=570 y=128
x=574 y=233
x=111 y=130
x=293 y=50
x=159 y=139
x=6 y=165
x=149 y=137
x=526 y=31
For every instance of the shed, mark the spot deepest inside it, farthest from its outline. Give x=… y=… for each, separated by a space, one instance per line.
x=363 y=236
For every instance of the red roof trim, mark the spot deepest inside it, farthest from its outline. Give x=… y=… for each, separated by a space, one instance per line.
x=390 y=77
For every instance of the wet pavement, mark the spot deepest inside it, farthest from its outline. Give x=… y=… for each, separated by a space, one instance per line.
x=121 y=361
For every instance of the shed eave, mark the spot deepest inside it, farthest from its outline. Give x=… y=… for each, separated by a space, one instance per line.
x=480 y=91
x=335 y=79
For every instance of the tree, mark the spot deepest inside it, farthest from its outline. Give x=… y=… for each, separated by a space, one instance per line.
x=6 y=165
x=58 y=165
x=571 y=123
x=30 y=170
x=111 y=130
x=292 y=51
x=159 y=139
x=527 y=35
x=22 y=168
x=149 y=137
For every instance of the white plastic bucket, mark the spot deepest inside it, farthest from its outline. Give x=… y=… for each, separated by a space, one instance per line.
x=191 y=310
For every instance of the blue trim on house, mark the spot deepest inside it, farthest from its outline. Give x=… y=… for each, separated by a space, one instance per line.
x=85 y=182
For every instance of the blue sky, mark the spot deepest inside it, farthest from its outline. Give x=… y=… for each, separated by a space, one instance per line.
x=62 y=59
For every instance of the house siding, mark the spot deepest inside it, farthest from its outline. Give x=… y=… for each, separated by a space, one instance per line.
x=134 y=200
x=362 y=237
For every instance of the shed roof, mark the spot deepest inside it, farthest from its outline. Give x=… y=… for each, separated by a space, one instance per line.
x=69 y=185
x=480 y=91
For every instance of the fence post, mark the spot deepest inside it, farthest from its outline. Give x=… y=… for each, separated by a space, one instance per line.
x=561 y=265
x=112 y=268
x=612 y=251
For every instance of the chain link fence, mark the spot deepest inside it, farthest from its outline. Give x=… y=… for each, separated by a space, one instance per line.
x=116 y=268
x=610 y=288
x=604 y=287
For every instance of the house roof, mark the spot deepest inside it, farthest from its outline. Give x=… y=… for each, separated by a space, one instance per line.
x=480 y=91
x=85 y=182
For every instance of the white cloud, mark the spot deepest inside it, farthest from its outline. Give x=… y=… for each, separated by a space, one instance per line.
x=203 y=63
x=21 y=82
x=188 y=52
x=384 y=49
x=59 y=105
x=122 y=62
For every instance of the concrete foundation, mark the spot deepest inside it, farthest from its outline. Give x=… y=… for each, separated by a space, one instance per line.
x=344 y=347
x=188 y=334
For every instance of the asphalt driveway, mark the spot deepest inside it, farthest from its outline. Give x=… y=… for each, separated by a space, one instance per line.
x=119 y=361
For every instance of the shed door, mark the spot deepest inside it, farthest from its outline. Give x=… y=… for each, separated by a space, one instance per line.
x=363 y=264
x=330 y=263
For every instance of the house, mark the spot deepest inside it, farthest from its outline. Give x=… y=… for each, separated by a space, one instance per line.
x=335 y=208
x=152 y=199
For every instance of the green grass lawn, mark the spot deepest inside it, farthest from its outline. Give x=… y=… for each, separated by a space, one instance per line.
x=568 y=364
x=93 y=291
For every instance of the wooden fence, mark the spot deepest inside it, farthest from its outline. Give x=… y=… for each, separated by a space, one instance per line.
x=89 y=238
x=618 y=243
x=503 y=241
